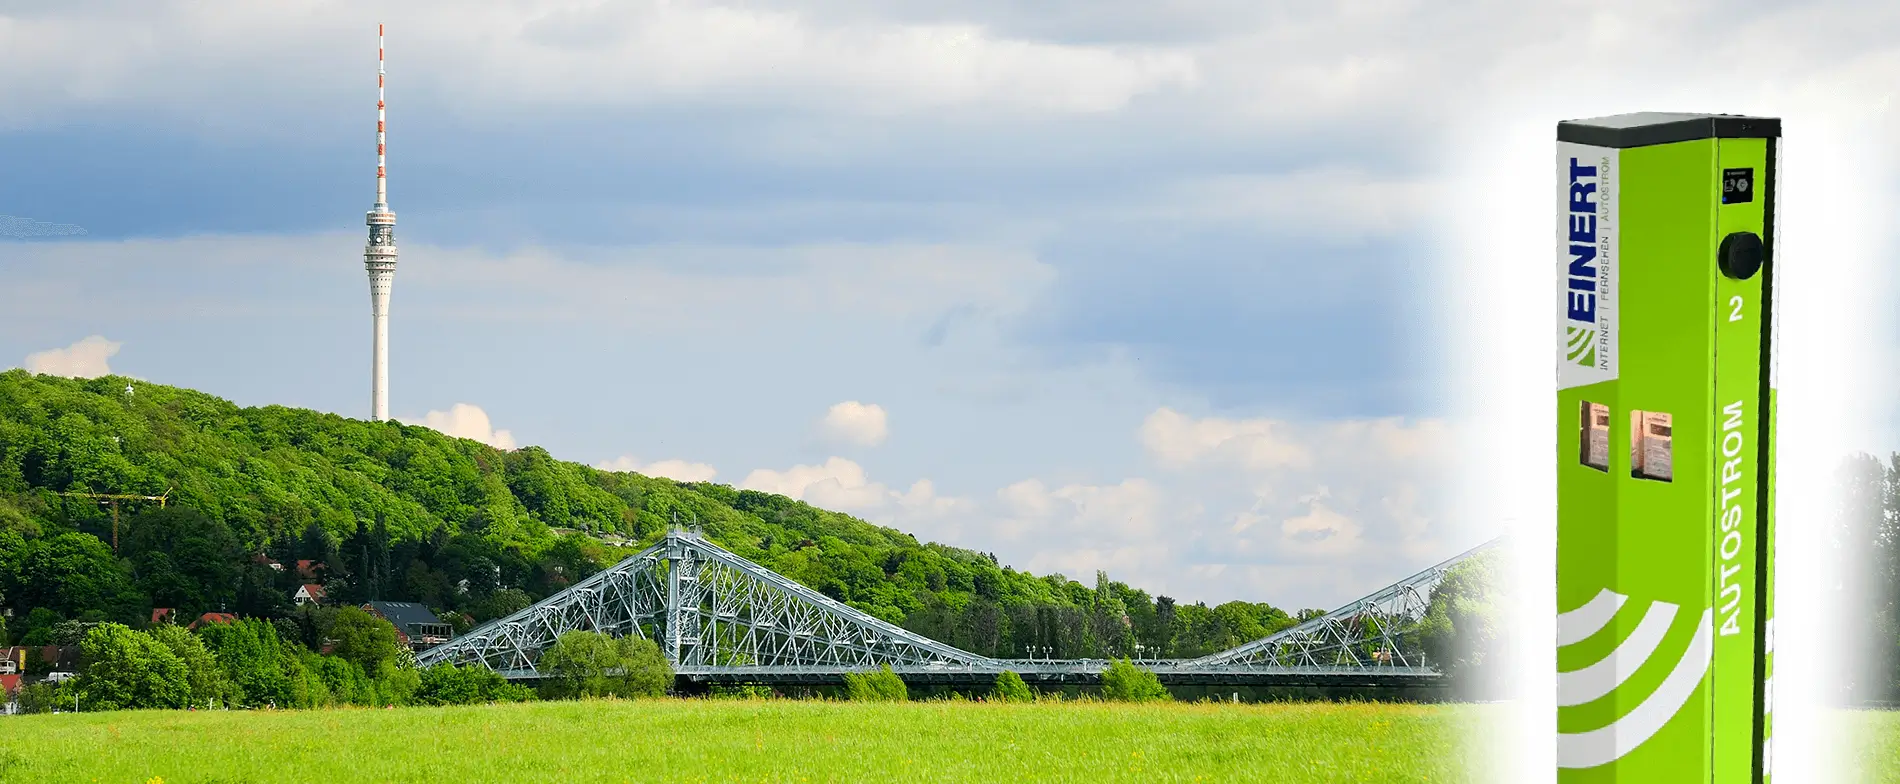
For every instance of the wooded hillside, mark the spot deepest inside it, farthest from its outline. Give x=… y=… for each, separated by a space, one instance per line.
x=394 y=511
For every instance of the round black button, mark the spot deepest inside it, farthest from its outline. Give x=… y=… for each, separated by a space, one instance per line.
x=1740 y=256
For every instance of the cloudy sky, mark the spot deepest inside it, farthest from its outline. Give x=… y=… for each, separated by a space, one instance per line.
x=1175 y=290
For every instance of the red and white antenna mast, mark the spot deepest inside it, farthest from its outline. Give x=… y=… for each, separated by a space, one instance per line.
x=382 y=191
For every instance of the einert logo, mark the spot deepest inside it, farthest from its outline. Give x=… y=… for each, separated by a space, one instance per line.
x=1583 y=294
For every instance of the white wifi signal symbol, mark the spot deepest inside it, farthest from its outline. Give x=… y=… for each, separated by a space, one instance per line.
x=1610 y=743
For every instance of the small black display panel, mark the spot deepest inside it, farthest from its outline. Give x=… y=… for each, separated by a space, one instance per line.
x=1738 y=186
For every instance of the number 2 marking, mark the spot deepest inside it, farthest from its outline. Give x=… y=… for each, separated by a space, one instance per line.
x=1735 y=308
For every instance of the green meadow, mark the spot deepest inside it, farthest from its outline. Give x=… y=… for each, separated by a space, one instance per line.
x=753 y=741
x=1877 y=734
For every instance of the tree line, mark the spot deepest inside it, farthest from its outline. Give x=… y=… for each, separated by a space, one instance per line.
x=1864 y=537
x=252 y=663
x=399 y=512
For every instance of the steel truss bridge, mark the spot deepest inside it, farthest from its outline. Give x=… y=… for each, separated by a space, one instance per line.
x=720 y=618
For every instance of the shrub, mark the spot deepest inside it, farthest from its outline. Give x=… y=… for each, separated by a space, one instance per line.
x=646 y=672
x=743 y=691
x=363 y=638
x=129 y=669
x=591 y=664
x=257 y=664
x=398 y=685
x=1125 y=682
x=1010 y=688
x=39 y=697
x=880 y=685
x=203 y=675
x=447 y=684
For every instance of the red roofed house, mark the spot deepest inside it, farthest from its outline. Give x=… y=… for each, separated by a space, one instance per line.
x=211 y=618
x=308 y=593
x=9 y=685
x=307 y=569
x=161 y=615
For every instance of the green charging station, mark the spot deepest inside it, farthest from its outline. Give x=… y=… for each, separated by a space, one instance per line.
x=1665 y=447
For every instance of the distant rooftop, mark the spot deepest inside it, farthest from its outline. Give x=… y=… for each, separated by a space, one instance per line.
x=404 y=614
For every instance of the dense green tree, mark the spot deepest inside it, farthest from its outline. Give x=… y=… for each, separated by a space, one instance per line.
x=1124 y=682
x=879 y=685
x=645 y=670
x=308 y=625
x=343 y=680
x=72 y=632
x=501 y=604
x=1460 y=631
x=398 y=685
x=591 y=664
x=129 y=669
x=303 y=672
x=447 y=684
x=1010 y=688
x=581 y=664
x=16 y=522
x=183 y=558
x=71 y=574
x=254 y=659
x=38 y=630
x=362 y=638
x=204 y=677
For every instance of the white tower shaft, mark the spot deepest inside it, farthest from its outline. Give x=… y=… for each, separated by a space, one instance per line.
x=379 y=259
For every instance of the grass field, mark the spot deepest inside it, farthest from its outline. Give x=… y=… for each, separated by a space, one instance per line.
x=1879 y=744
x=752 y=741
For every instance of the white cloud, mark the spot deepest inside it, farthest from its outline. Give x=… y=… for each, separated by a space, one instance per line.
x=556 y=53
x=702 y=285
x=1255 y=444
x=1331 y=203
x=85 y=359
x=837 y=483
x=1295 y=512
x=1320 y=531
x=463 y=420
x=675 y=287
x=678 y=470
x=844 y=485
x=921 y=504
x=852 y=422
x=1299 y=513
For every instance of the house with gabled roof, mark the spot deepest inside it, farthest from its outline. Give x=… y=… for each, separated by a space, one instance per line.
x=416 y=626
x=211 y=618
x=308 y=593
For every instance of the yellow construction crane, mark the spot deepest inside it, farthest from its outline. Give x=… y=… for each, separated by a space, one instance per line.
x=113 y=499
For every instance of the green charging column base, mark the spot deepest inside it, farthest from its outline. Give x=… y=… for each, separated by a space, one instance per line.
x=1665 y=460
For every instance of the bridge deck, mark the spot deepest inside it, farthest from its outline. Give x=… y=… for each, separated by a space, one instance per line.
x=1071 y=672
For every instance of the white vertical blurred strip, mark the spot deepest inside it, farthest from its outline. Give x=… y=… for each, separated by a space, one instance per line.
x=1833 y=361
x=1499 y=225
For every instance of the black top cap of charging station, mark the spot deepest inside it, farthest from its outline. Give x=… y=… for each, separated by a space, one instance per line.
x=1642 y=129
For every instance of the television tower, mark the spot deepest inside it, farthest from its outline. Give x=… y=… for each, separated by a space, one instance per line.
x=379 y=258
